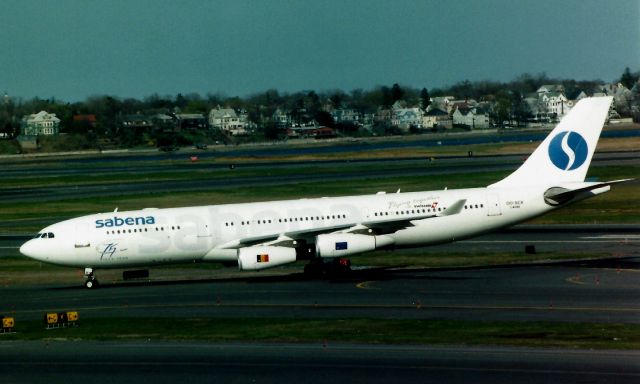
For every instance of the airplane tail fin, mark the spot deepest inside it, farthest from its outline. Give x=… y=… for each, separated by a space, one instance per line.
x=565 y=154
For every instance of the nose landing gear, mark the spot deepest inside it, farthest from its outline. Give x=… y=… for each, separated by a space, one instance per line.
x=90 y=281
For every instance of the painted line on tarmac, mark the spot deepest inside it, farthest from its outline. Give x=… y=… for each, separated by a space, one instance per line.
x=418 y=306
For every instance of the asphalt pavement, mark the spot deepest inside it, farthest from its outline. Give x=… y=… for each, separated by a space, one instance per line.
x=193 y=362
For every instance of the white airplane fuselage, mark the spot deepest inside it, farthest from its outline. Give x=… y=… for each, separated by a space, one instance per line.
x=209 y=233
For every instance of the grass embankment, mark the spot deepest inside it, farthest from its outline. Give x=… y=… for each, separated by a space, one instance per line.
x=373 y=331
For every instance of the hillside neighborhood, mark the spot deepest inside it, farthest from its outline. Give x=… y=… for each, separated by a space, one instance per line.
x=161 y=121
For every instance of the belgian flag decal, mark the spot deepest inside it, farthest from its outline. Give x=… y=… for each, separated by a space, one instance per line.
x=264 y=258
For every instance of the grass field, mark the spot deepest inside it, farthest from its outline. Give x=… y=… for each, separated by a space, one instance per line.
x=372 y=331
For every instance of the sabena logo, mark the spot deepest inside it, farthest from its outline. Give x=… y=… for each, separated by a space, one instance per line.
x=568 y=150
x=120 y=221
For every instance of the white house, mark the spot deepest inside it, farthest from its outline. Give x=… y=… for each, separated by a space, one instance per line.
x=346 y=115
x=556 y=103
x=281 y=118
x=471 y=117
x=41 y=123
x=442 y=102
x=404 y=118
x=228 y=121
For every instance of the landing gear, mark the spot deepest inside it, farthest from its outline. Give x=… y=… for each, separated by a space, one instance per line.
x=91 y=282
x=333 y=268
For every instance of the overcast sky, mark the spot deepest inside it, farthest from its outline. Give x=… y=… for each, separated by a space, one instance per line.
x=73 y=49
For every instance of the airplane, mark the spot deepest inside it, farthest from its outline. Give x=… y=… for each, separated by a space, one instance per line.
x=325 y=230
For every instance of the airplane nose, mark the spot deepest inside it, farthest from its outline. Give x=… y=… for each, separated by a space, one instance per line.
x=30 y=249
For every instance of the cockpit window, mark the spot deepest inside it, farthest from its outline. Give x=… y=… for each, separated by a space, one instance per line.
x=49 y=235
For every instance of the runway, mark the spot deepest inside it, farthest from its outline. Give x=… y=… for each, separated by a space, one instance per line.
x=601 y=291
x=158 y=362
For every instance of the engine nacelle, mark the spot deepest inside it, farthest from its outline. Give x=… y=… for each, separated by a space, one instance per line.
x=257 y=258
x=344 y=244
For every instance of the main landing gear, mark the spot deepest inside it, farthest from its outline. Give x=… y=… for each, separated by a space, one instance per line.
x=334 y=267
x=90 y=281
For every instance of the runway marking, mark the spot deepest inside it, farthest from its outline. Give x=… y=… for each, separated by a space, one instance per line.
x=594 y=278
x=620 y=237
x=575 y=280
x=367 y=285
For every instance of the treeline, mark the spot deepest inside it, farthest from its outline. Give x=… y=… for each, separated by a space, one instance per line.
x=110 y=111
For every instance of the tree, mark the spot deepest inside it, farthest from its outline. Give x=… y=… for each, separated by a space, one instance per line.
x=425 y=99
x=628 y=79
x=337 y=98
x=396 y=93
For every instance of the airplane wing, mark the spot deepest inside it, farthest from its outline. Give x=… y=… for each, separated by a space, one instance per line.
x=369 y=227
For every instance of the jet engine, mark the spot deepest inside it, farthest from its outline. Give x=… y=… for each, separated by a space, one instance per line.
x=344 y=244
x=257 y=258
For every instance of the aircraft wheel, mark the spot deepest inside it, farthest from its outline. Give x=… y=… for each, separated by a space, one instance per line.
x=91 y=283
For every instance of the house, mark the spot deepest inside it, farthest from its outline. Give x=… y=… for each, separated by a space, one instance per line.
x=42 y=123
x=442 y=102
x=192 y=121
x=436 y=118
x=556 y=103
x=470 y=117
x=382 y=115
x=137 y=122
x=622 y=97
x=346 y=115
x=86 y=120
x=325 y=133
x=405 y=118
x=228 y=121
x=281 y=118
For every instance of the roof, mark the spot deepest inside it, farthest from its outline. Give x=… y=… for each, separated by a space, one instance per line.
x=436 y=112
x=89 y=118
x=219 y=113
x=42 y=116
x=551 y=88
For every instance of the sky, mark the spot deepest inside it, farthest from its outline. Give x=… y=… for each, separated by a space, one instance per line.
x=73 y=49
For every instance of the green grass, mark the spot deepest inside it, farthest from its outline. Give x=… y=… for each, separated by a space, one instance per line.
x=372 y=331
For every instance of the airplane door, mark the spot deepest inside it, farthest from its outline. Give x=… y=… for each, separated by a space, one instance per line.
x=82 y=236
x=204 y=229
x=493 y=205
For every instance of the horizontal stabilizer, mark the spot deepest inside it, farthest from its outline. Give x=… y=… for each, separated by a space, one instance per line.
x=562 y=195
